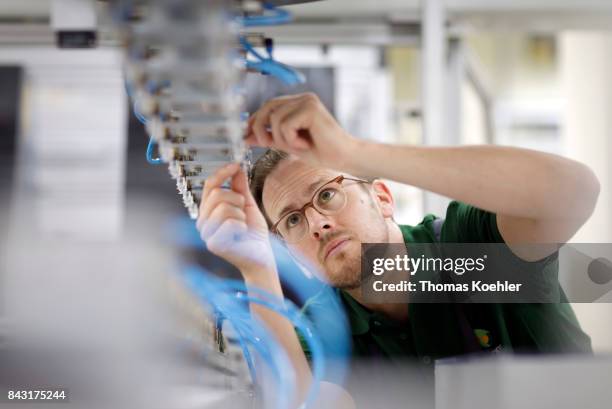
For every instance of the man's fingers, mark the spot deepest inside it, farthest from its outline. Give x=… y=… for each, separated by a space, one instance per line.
x=240 y=185
x=217 y=179
x=216 y=197
x=294 y=122
x=219 y=216
x=261 y=121
x=277 y=119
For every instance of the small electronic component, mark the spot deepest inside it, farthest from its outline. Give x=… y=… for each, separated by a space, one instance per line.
x=185 y=62
x=183 y=71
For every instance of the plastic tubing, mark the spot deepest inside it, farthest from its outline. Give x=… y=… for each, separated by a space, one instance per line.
x=277 y=16
x=149 y=153
x=207 y=287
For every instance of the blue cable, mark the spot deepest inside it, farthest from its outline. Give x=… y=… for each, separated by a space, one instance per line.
x=250 y=49
x=143 y=119
x=278 y=16
x=240 y=322
x=267 y=347
x=324 y=309
x=210 y=290
x=243 y=347
x=284 y=73
x=294 y=316
x=268 y=66
x=240 y=319
x=271 y=352
x=283 y=307
x=149 y=154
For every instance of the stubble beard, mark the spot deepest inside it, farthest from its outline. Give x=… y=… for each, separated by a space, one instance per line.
x=345 y=271
x=347 y=274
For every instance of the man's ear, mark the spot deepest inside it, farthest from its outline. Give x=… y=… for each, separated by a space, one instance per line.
x=383 y=197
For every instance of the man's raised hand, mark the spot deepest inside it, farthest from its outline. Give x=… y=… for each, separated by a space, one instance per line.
x=300 y=124
x=231 y=224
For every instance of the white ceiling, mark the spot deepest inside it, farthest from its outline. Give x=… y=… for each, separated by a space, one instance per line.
x=339 y=8
x=373 y=7
x=521 y=15
x=24 y=8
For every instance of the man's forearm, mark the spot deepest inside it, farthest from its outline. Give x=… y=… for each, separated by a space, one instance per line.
x=281 y=329
x=504 y=180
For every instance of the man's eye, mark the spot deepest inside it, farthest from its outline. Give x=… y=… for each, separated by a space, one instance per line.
x=293 y=220
x=326 y=195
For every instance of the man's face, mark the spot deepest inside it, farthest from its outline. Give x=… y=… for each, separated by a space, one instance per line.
x=332 y=242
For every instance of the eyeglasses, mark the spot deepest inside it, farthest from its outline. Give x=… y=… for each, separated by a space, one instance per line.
x=327 y=200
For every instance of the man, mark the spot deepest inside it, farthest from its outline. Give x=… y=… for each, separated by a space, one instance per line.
x=318 y=191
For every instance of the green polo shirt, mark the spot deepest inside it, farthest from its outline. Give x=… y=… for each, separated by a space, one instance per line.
x=435 y=331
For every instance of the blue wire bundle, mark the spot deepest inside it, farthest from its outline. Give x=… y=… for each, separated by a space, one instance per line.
x=230 y=298
x=277 y=16
x=268 y=65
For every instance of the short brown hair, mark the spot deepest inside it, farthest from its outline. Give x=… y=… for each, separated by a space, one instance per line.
x=260 y=171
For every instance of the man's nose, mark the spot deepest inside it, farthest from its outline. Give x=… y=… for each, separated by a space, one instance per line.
x=318 y=223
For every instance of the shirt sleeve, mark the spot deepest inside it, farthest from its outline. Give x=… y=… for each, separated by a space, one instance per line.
x=468 y=224
x=550 y=326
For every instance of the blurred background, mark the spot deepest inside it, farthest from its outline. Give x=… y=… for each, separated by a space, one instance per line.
x=534 y=74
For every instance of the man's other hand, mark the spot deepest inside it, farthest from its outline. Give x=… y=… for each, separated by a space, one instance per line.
x=301 y=125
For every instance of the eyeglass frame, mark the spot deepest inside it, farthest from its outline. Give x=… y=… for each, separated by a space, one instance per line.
x=338 y=179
